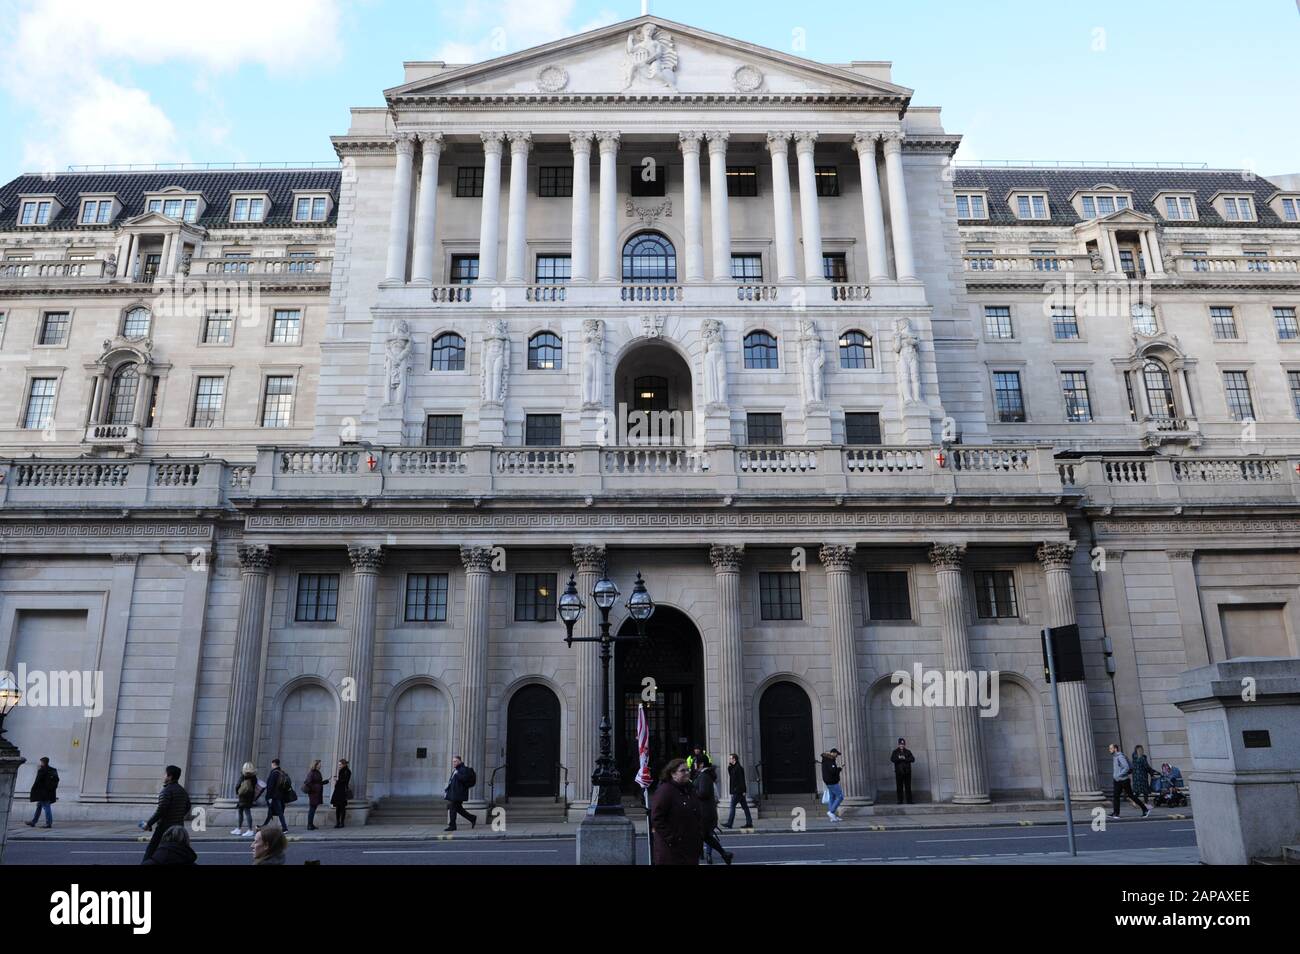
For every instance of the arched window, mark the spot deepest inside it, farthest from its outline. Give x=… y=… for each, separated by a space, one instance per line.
x=855 y=350
x=760 y=350
x=1160 y=390
x=448 y=352
x=122 y=395
x=545 y=352
x=649 y=258
x=136 y=323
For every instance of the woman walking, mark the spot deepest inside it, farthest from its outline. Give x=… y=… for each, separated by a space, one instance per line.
x=675 y=813
x=314 y=786
x=342 y=792
x=1142 y=773
x=246 y=791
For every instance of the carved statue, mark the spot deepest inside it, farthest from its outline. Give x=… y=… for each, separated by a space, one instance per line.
x=397 y=354
x=1096 y=261
x=110 y=266
x=651 y=55
x=715 y=364
x=593 y=363
x=496 y=362
x=909 y=363
x=186 y=261
x=812 y=361
x=1170 y=260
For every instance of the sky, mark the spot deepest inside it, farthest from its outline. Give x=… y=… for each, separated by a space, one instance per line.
x=145 y=81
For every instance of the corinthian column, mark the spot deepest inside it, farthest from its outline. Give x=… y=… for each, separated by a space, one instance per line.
x=838 y=561
x=726 y=560
x=517 y=212
x=472 y=737
x=1076 y=721
x=354 y=724
x=877 y=261
x=580 y=228
x=968 y=749
x=426 y=209
x=399 y=222
x=607 y=255
x=809 y=212
x=690 y=144
x=898 y=214
x=590 y=563
x=721 y=218
x=778 y=145
x=490 y=219
x=237 y=748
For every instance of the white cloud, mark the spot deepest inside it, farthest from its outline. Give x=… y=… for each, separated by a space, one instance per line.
x=490 y=29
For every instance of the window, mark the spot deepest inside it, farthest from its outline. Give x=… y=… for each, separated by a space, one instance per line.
x=35 y=213
x=1200 y=259
x=1031 y=206
x=1291 y=210
x=779 y=596
x=553 y=182
x=649 y=180
x=970 y=205
x=545 y=352
x=763 y=428
x=464 y=269
x=855 y=350
x=310 y=208
x=426 y=598
x=442 y=430
x=54 y=328
x=542 y=430
x=1237 y=388
x=534 y=597
x=835 y=267
x=1293 y=382
x=1144 y=319
x=155 y=205
x=448 y=352
x=1065 y=326
x=1179 y=207
x=1223 y=322
x=1256 y=260
x=277 y=404
x=1103 y=204
x=247 y=210
x=995 y=594
x=554 y=269
x=208 y=398
x=1237 y=209
x=997 y=322
x=217 y=327
x=186 y=209
x=649 y=258
x=122 y=395
x=1044 y=259
x=861 y=427
x=136 y=323
x=1007 y=398
x=1074 y=387
x=318 y=598
x=760 y=350
x=979 y=259
x=828 y=181
x=747 y=268
x=887 y=594
x=152 y=417
x=469 y=182
x=96 y=211
x=301 y=262
x=40 y=404
x=742 y=181
x=236 y=262
x=1160 y=390
x=286 y=326
x=1284 y=318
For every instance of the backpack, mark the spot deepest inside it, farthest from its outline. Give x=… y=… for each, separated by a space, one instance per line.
x=287 y=794
x=471 y=779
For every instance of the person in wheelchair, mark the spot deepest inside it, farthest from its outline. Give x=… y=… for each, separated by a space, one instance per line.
x=1169 y=789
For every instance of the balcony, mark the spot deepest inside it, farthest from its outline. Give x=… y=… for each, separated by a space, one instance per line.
x=282 y=269
x=113 y=436
x=39 y=273
x=1111 y=481
x=42 y=484
x=639 y=296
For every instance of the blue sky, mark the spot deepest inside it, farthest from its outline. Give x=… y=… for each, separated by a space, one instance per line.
x=83 y=81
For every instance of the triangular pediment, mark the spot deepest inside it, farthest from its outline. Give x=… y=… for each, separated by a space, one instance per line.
x=649 y=56
x=157 y=220
x=1126 y=217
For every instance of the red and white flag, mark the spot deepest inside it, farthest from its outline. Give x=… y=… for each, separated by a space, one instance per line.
x=643 y=747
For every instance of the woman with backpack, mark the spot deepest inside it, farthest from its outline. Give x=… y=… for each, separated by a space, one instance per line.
x=246 y=791
x=342 y=792
x=314 y=786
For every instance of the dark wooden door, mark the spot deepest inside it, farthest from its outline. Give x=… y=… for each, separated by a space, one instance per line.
x=785 y=721
x=533 y=743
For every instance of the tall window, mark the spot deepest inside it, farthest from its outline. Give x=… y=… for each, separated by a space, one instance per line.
x=277 y=403
x=835 y=267
x=763 y=428
x=1293 y=382
x=535 y=597
x=779 y=596
x=553 y=182
x=887 y=594
x=742 y=181
x=545 y=352
x=1223 y=322
x=554 y=269
x=828 y=181
x=1284 y=318
x=448 y=352
x=542 y=430
x=217 y=327
x=426 y=598
x=861 y=427
x=997 y=322
x=1065 y=326
x=1160 y=390
x=649 y=258
x=122 y=395
x=995 y=594
x=1236 y=387
x=286 y=326
x=469 y=182
x=464 y=269
x=760 y=350
x=208 y=397
x=1144 y=318
x=318 y=598
x=1007 y=397
x=855 y=350
x=54 y=328
x=136 y=323
x=40 y=404
x=442 y=430
x=747 y=268
x=1074 y=387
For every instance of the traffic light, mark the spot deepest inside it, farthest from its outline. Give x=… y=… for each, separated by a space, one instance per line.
x=1068 y=653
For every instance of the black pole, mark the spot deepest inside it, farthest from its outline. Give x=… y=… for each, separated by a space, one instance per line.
x=610 y=800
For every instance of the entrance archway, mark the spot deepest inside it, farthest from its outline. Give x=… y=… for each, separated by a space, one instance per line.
x=672 y=654
x=786 y=728
x=309 y=729
x=653 y=397
x=533 y=743
x=419 y=730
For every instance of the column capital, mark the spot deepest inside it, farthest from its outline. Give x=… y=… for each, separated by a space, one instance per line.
x=125 y=559
x=404 y=143
x=1174 y=554
x=726 y=557
x=689 y=141
x=431 y=141
x=717 y=141
x=520 y=142
x=580 y=141
x=366 y=559
x=947 y=556
x=476 y=559
x=804 y=142
x=837 y=557
x=492 y=142
x=778 y=141
x=1056 y=556
x=608 y=140
x=866 y=142
x=254 y=559
x=589 y=558
x=893 y=141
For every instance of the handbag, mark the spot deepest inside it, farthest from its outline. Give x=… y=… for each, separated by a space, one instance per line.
x=826 y=796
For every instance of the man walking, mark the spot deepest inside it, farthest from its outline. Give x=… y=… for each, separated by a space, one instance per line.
x=736 y=783
x=698 y=758
x=44 y=793
x=903 y=758
x=462 y=780
x=275 y=795
x=173 y=809
x=1121 y=773
x=831 y=779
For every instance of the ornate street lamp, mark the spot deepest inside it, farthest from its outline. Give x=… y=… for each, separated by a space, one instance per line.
x=10 y=696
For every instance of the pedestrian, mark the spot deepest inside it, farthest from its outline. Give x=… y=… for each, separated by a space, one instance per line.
x=675 y=815
x=831 y=778
x=246 y=792
x=903 y=758
x=736 y=783
x=706 y=790
x=275 y=785
x=314 y=785
x=1142 y=772
x=1120 y=774
x=457 y=791
x=342 y=792
x=44 y=793
x=173 y=849
x=270 y=845
x=698 y=758
x=173 y=808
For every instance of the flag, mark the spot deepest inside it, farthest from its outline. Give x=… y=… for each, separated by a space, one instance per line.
x=643 y=747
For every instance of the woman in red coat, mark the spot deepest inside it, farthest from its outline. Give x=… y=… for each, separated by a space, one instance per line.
x=675 y=814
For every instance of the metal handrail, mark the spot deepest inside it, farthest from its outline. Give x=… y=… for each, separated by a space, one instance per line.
x=758 y=781
x=563 y=793
x=492 y=789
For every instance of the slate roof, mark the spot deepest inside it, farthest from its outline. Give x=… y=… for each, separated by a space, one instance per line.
x=1145 y=184
x=131 y=188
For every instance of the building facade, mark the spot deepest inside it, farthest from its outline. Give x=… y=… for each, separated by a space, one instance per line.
x=299 y=460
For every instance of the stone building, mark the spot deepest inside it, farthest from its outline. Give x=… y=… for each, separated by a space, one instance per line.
x=299 y=460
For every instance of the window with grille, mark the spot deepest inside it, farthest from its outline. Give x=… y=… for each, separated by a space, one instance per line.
x=835 y=267
x=779 y=596
x=1200 y=259
x=1291 y=210
x=247 y=210
x=742 y=181
x=96 y=212
x=747 y=268
x=763 y=428
x=40 y=404
x=318 y=598
x=1256 y=260
x=448 y=352
x=554 y=182
x=1237 y=210
x=122 y=395
x=208 y=397
x=1065 y=326
x=277 y=403
x=286 y=326
x=1031 y=206
x=1144 y=319
x=443 y=430
x=1224 y=322
x=542 y=430
x=54 y=328
x=997 y=321
x=35 y=213
x=554 y=269
x=1160 y=390
x=136 y=323
x=217 y=327
x=469 y=182
x=1044 y=260
x=310 y=209
x=1008 y=399
x=1074 y=387
x=760 y=350
x=535 y=597
x=1293 y=382
x=887 y=594
x=995 y=594
x=1236 y=387
x=1179 y=207
x=828 y=181
x=855 y=350
x=1284 y=318
x=970 y=206
x=545 y=352
x=862 y=427
x=649 y=258
x=426 y=598
x=464 y=269
x=979 y=259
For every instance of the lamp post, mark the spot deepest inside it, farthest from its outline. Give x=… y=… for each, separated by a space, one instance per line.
x=10 y=757
x=640 y=607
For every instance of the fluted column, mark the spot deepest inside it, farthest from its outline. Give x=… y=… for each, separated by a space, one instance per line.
x=719 y=216
x=690 y=145
x=849 y=718
x=426 y=209
x=354 y=722
x=241 y=718
x=810 y=215
x=580 y=229
x=968 y=749
x=778 y=146
x=517 y=212
x=726 y=560
x=899 y=218
x=472 y=737
x=608 y=206
x=399 y=222
x=872 y=213
x=490 y=220
x=590 y=563
x=1076 y=720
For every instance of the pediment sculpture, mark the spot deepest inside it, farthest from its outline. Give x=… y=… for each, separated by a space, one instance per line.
x=652 y=56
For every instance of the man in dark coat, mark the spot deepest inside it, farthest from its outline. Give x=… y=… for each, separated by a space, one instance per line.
x=457 y=792
x=275 y=795
x=44 y=793
x=173 y=808
x=736 y=783
x=903 y=758
x=706 y=789
x=342 y=792
x=675 y=815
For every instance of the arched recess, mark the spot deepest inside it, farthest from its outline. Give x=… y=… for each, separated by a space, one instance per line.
x=653 y=396
x=1015 y=750
x=417 y=729
x=888 y=723
x=306 y=728
x=787 y=739
x=649 y=256
x=534 y=740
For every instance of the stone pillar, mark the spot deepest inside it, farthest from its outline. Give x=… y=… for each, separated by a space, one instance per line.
x=399 y=222
x=719 y=216
x=143 y=395
x=809 y=214
x=426 y=210
x=1126 y=683
x=1182 y=571
x=126 y=267
x=580 y=233
x=849 y=719
x=241 y=717
x=1076 y=721
x=354 y=724
x=608 y=207
x=778 y=145
x=877 y=262
x=590 y=563
x=164 y=264
x=1155 y=261
x=471 y=740
x=690 y=145
x=490 y=218
x=517 y=213
x=968 y=748
x=726 y=560
x=1145 y=249
x=899 y=218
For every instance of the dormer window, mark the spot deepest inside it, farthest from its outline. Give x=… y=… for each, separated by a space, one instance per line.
x=1031 y=205
x=96 y=212
x=35 y=212
x=311 y=208
x=970 y=205
x=186 y=210
x=1238 y=209
x=1099 y=204
x=1287 y=207
x=248 y=209
x=1180 y=207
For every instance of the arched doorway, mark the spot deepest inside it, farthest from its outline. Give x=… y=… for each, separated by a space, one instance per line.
x=652 y=394
x=785 y=724
x=419 y=756
x=533 y=743
x=889 y=723
x=672 y=654
x=309 y=730
x=1013 y=734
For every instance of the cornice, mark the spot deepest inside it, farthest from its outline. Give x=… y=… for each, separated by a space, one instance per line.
x=642 y=99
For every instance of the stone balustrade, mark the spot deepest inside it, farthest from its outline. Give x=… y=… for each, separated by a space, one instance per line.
x=129 y=482
x=702 y=295
x=1183 y=480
